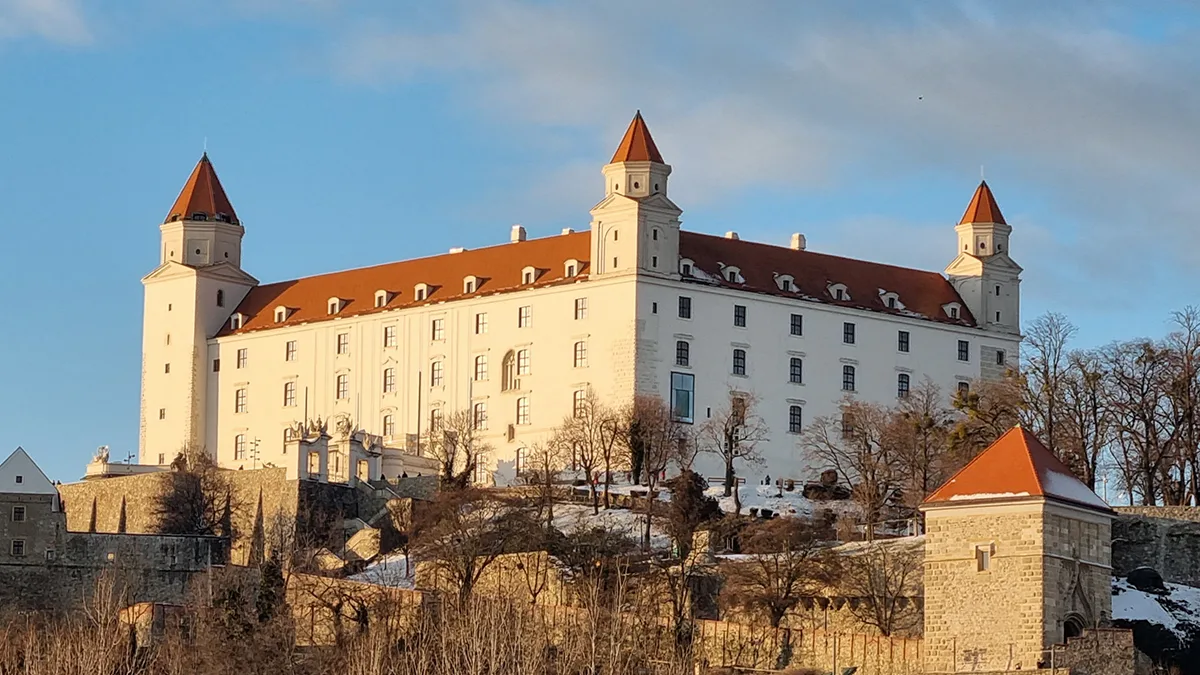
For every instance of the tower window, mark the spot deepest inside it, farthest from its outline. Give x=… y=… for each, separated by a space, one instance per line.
x=739 y=362
x=239 y=401
x=289 y=394
x=436 y=374
x=682 y=353
x=685 y=307
x=524 y=316
x=902 y=341
x=964 y=350
x=523 y=410
x=848 y=333
x=289 y=351
x=220 y=296
x=239 y=446
x=343 y=343
x=739 y=316
x=162 y=415
x=654 y=234
x=581 y=354
x=243 y=356
x=997 y=317
x=389 y=380
x=795 y=419
x=389 y=336
x=479 y=416
x=167 y=369
x=581 y=308
x=902 y=384
x=1000 y=357
x=654 y=261
x=683 y=397
x=481 y=323
x=437 y=329
x=997 y=290
x=481 y=368
x=796 y=370
x=343 y=386
x=797 y=327
x=389 y=425
x=983 y=558
x=848 y=378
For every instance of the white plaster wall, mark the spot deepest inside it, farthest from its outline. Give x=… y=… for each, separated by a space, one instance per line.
x=770 y=346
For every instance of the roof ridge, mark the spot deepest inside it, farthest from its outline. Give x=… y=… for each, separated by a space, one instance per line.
x=1037 y=476
x=815 y=253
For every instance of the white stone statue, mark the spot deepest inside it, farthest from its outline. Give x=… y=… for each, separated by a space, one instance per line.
x=101 y=456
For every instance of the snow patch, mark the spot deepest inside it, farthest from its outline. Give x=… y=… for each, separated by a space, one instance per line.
x=1069 y=487
x=988 y=495
x=1177 y=610
x=395 y=570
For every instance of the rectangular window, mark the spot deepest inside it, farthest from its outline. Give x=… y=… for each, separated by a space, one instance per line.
x=288 y=436
x=964 y=388
x=578 y=402
x=795 y=419
x=389 y=336
x=162 y=413
x=389 y=380
x=239 y=447
x=435 y=419
x=343 y=386
x=848 y=333
x=481 y=368
x=435 y=374
x=683 y=393
x=682 y=353
x=216 y=365
x=983 y=558
x=685 y=307
x=581 y=354
x=581 y=307
x=847 y=378
x=479 y=416
x=162 y=459
x=739 y=362
x=797 y=324
x=739 y=316
x=902 y=341
x=389 y=425
x=242 y=355
x=18 y=548
x=964 y=350
x=796 y=370
x=481 y=323
x=239 y=401
x=437 y=329
x=524 y=316
x=289 y=351
x=1000 y=357
x=18 y=514
x=289 y=394
x=523 y=410
x=902 y=384
x=522 y=361
x=343 y=343
x=167 y=369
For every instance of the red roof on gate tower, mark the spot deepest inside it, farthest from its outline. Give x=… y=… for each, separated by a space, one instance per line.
x=1017 y=466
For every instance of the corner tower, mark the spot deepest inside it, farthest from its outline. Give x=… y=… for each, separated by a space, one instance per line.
x=988 y=280
x=635 y=228
x=1017 y=559
x=188 y=298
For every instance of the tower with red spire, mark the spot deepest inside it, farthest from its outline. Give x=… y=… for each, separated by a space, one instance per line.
x=983 y=273
x=189 y=297
x=635 y=228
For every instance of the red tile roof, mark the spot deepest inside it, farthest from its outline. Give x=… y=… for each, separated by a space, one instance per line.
x=202 y=194
x=1017 y=466
x=983 y=207
x=497 y=267
x=637 y=145
x=920 y=292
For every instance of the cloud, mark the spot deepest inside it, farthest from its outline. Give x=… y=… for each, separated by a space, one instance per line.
x=60 y=21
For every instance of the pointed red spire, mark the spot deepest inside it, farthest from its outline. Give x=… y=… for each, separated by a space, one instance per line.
x=1016 y=466
x=202 y=194
x=983 y=208
x=637 y=146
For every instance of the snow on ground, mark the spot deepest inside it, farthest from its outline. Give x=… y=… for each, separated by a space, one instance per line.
x=782 y=502
x=570 y=518
x=395 y=570
x=1177 y=610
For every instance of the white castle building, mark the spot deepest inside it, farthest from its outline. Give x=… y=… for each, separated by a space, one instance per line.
x=518 y=331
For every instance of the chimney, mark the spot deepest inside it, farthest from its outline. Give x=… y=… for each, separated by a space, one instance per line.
x=457 y=249
x=518 y=234
x=731 y=235
x=799 y=243
x=567 y=230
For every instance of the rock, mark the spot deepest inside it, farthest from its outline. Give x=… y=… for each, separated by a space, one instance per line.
x=1146 y=579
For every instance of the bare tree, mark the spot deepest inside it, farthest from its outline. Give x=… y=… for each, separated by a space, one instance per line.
x=456 y=443
x=988 y=409
x=198 y=499
x=651 y=425
x=1045 y=369
x=733 y=433
x=884 y=576
x=592 y=431
x=1183 y=345
x=1139 y=377
x=789 y=562
x=547 y=460
x=1086 y=420
x=919 y=430
x=854 y=444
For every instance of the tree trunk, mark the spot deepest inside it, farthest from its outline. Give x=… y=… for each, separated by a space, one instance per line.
x=729 y=475
x=607 y=482
x=595 y=496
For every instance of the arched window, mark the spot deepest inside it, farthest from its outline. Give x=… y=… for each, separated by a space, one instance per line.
x=508 y=371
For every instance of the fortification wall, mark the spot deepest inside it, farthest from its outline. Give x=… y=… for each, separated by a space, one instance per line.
x=1171 y=545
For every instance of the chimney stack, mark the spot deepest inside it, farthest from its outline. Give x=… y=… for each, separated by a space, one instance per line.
x=567 y=230
x=731 y=235
x=799 y=243
x=518 y=234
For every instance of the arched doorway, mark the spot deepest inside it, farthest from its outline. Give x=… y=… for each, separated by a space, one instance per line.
x=1073 y=626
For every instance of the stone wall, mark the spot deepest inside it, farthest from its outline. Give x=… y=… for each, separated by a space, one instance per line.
x=1169 y=545
x=1098 y=652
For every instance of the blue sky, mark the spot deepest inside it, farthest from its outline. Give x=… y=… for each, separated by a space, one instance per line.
x=350 y=132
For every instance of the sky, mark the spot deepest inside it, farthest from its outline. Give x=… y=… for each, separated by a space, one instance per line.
x=354 y=132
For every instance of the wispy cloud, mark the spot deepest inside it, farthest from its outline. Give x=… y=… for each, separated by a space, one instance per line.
x=60 y=21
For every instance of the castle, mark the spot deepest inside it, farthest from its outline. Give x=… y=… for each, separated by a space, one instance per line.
x=518 y=333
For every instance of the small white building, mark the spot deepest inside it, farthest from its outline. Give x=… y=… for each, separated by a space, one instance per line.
x=518 y=331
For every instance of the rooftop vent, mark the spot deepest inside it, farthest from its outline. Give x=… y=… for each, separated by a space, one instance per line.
x=518 y=234
x=731 y=235
x=457 y=249
x=799 y=243
x=567 y=230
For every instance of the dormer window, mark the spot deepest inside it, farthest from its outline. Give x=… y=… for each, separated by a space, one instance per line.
x=571 y=268
x=839 y=292
x=334 y=305
x=421 y=292
x=470 y=284
x=529 y=275
x=890 y=300
x=236 y=321
x=382 y=298
x=952 y=309
x=785 y=282
x=732 y=274
x=281 y=314
x=199 y=215
x=685 y=267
